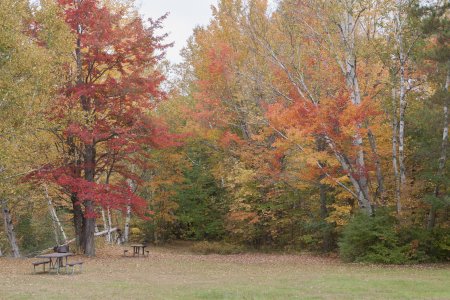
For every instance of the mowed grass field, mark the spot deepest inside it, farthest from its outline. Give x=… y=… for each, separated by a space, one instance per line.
x=175 y=273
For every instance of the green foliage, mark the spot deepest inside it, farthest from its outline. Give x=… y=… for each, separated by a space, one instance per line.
x=26 y=233
x=372 y=239
x=216 y=248
x=34 y=234
x=426 y=245
x=202 y=204
x=379 y=239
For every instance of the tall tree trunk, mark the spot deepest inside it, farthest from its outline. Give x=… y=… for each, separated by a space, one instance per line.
x=78 y=219
x=88 y=228
x=380 y=181
x=126 y=234
x=360 y=178
x=55 y=219
x=107 y=219
x=443 y=156
x=401 y=123
x=55 y=228
x=89 y=219
x=394 y=152
x=9 y=228
x=73 y=160
x=399 y=27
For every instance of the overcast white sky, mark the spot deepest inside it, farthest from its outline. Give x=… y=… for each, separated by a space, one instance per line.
x=184 y=16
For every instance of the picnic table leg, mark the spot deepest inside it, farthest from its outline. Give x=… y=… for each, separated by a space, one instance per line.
x=53 y=264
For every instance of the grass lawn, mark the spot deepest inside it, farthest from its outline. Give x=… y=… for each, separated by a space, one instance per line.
x=172 y=273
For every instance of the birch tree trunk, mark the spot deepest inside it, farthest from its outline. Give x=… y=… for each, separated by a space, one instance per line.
x=1 y=254
x=105 y=226
x=56 y=222
x=360 y=179
x=379 y=172
x=9 y=228
x=394 y=151
x=109 y=226
x=55 y=229
x=402 y=57
x=126 y=235
x=443 y=156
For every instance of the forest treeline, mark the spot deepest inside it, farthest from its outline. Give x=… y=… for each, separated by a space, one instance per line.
x=312 y=125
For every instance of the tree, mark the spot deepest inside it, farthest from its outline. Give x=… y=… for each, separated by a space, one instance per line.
x=326 y=39
x=101 y=119
x=434 y=25
x=31 y=57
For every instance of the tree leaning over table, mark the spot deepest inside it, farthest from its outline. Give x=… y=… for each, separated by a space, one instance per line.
x=101 y=119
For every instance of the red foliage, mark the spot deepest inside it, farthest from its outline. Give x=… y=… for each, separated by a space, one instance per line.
x=106 y=105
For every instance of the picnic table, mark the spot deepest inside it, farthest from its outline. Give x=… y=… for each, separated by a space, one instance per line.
x=137 y=249
x=56 y=260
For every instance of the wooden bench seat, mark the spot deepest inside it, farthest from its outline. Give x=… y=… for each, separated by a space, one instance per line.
x=73 y=264
x=37 y=263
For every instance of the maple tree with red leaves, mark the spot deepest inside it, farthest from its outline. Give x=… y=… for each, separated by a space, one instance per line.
x=102 y=115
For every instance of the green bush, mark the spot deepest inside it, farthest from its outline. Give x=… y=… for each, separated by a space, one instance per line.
x=379 y=239
x=426 y=245
x=372 y=239
x=216 y=247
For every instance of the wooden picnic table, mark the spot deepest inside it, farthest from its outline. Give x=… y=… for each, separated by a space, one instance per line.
x=137 y=249
x=56 y=260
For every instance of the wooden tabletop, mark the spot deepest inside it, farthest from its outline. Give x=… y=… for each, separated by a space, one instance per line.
x=137 y=245
x=55 y=255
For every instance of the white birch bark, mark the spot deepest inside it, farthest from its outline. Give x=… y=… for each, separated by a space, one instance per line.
x=9 y=228
x=126 y=234
x=402 y=93
x=394 y=151
x=105 y=225
x=56 y=222
x=55 y=229
x=399 y=22
x=360 y=180
x=109 y=226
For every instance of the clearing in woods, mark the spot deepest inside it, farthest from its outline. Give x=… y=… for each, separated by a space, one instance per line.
x=175 y=273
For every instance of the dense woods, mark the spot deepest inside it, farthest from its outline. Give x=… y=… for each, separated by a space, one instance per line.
x=315 y=125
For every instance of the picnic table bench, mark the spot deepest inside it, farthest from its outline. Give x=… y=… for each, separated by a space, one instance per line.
x=57 y=261
x=38 y=263
x=138 y=249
